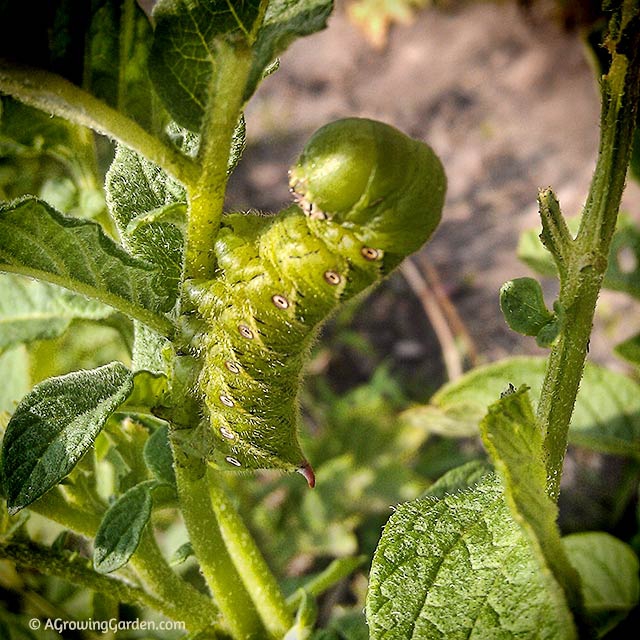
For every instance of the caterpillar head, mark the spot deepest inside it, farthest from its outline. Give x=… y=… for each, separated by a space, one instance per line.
x=372 y=178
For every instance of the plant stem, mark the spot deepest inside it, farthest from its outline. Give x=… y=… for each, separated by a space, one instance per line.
x=76 y=571
x=586 y=256
x=221 y=575
x=53 y=94
x=195 y=609
x=206 y=197
x=254 y=571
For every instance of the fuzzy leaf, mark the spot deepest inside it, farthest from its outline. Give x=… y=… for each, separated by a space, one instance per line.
x=609 y=571
x=460 y=567
x=515 y=443
x=31 y=310
x=149 y=209
x=459 y=478
x=37 y=241
x=285 y=21
x=606 y=416
x=183 y=56
x=54 y=426
x=121 y=528
x=158 y=456
x=523 y=306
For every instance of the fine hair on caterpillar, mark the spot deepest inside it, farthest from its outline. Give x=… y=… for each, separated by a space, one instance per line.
x=367 y=196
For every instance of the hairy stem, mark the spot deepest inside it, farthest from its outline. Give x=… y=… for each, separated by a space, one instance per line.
x=206 y=196
x=254 y=572
x=197 y=611
x=194 y=608
x=219 y=571
x=585 y=258
x=53 y=94
x=75 y=570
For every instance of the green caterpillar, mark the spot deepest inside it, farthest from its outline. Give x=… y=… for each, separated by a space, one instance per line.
x=368 y=196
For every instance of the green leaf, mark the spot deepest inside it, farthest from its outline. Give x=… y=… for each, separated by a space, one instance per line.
x=54 y=426
x=623 y=270
x=121 y=528
x=630 y=349
x=183 y=53
x=30 y=132
x=285 y=21
x=31 y=310
x=609 y=571
x=16 y=384
x=150 y=390
x=606 y=416
x=101 y=46
x=460 y=478
x=149 y=209
x=118 y=45
x=515 y=443
x=151 y=351
x=182 y=554
x=460 y=567
x=37 y=241
x=49 y=157
x=523 y=306
x=158 y=456
x=305 y=619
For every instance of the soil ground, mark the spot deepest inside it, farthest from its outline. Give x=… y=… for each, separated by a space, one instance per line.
x=508 y=101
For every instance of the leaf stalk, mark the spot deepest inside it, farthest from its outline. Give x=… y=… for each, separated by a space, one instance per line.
x=53 y=94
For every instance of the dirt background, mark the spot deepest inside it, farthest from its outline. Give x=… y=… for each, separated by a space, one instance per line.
x=510 y=104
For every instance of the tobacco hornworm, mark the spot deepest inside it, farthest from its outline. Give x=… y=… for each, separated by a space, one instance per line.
x=367 y=197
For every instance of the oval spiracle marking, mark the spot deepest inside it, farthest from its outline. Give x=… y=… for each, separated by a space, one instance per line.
x=332 y=277
x=369 y=253
x=280 y=301
x=232 y=366
x=245 y=331
x=229 y=435
x=226 y=400
x=235 y=462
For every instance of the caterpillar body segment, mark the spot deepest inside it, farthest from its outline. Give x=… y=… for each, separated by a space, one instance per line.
x=368 y=196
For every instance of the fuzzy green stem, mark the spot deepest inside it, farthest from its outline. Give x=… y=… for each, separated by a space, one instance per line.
x=53 y=94
x=254 y=571
x=76 y=571
x=586 y=256
x=221 y=575
x=206 y=197
x=194 y=609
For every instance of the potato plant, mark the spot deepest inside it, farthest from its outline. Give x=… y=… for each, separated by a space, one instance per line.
x=216 y=313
